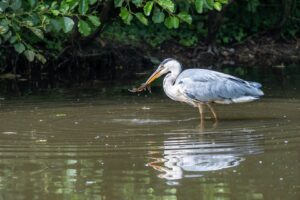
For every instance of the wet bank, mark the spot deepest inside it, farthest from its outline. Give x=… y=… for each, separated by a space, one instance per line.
x=109 y=62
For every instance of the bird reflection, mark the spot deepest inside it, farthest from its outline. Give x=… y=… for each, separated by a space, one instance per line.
x=193 y=154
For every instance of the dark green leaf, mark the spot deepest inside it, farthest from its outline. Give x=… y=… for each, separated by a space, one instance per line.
x=167 y=4
x=125 y=15
x=19 y=47
x=172 y=22
x=7 y=36
x=92 y=2
x=29 y=55
x=3 y=29
x=148 y=8
x=83 y=6
x=64 y=8
x=32 y=3
x=3 y=6
x=56 y=24
x=94 y=20
x=13 y=39
x=118 y=3
x=84 y=28
x=184 y=16
x=138 y=3
x=158 y=17
x=67 y=24
x=209 y=4
x=16 y=4
x=142 y=18
x=199 y=6
x=40 y=58
x=38 y=32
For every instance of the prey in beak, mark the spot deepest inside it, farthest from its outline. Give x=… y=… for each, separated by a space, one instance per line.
x=146 y=85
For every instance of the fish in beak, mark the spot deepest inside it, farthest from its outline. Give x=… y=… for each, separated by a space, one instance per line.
x=154 y=76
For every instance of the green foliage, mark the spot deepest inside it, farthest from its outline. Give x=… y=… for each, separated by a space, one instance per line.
x=35 y=28
x=258 y=17
x=29 y=26
x=32 y=27
x=167 y=11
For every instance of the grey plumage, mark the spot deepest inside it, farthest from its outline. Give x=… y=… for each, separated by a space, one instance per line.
x=210 y=86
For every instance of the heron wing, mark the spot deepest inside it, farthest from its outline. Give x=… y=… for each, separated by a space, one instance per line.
x=207 y=86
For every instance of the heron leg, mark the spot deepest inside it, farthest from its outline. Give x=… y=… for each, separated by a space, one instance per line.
x=200 y=106
x=212 y=111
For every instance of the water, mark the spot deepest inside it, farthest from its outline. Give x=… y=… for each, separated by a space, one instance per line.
x=148 y=148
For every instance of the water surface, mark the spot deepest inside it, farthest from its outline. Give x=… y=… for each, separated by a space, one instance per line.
x=148 y=148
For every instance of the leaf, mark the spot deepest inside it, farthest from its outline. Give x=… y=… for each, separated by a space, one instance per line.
x=29 y=55
x=148 y=8
x=125 y=15
x=13 y=39
x=3 y=29
x=38 y=32
x=94 y=20
x=158 y=17
x=118 y=3
x=84 y=28
x=32 y=3
x=83 y=6
x=172 y=22
x=16 y=4
x=3 y=6
x=142 y=18
x=19 y=47
x=56 y=25
x=91 y=2
x=7 y=36
x=167 y=4
x=209 y=4
x=55 y=12
x=218 y=6
x=64 y=8
x=41 y=58
x=138 y=3
x=67 y=24
x=199 y=6
x=184 y=16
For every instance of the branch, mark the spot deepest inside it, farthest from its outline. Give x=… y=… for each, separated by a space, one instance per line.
x=104 y=17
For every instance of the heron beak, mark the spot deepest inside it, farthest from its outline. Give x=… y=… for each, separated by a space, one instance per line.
x=154 y=76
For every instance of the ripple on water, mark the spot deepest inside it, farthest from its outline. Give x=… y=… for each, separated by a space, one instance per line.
x=167 y=141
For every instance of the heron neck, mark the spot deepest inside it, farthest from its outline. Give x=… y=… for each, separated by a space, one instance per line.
x=168 y=85
x=171 y=77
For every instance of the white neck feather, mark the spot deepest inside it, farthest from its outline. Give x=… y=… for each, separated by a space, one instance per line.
x=168 y=84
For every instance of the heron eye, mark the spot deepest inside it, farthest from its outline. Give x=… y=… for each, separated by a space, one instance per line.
x=162 y=67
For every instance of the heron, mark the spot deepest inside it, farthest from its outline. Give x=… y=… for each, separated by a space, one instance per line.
x=199 y=87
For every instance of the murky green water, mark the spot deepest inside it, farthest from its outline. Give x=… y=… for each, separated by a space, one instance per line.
x=148 y=148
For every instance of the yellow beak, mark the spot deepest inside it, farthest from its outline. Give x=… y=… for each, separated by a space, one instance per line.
x=154 y=76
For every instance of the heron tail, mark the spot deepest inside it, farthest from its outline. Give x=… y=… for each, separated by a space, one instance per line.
x=255 y=84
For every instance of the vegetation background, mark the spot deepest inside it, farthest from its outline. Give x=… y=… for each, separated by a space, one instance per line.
x=48 y=44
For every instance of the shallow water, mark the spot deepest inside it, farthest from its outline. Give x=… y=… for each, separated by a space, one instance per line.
x=148 y=148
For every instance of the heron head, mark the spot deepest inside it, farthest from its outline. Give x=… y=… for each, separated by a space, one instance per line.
x=167 y=65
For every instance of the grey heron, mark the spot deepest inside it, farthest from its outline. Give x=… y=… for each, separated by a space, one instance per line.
x=198 y=87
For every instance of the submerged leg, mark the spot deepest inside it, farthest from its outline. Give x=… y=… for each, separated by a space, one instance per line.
x=200 y=106
x=213 y=111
